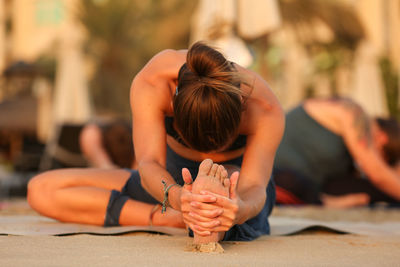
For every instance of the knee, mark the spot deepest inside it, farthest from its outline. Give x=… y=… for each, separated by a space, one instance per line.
x=39 y=190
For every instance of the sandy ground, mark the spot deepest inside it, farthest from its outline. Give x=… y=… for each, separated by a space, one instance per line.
x=311 y=248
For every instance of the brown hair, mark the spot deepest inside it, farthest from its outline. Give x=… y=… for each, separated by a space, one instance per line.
x=391 y=150
x=208 y=100
x=117 y=141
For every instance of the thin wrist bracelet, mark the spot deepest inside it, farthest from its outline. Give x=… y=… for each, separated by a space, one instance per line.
x=166 y=189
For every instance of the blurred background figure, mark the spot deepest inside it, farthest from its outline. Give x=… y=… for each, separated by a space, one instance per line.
x=108 y=145
x=333 y=153
x=65 y=63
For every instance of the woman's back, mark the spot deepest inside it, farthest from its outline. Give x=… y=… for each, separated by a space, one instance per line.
x=312 y=150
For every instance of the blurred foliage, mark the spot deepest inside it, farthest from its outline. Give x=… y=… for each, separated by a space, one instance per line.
x=326 y=56
x=337 y=16
x=122 y=36
x=391 y=82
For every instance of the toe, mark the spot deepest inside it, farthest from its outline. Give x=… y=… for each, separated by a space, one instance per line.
x=205 y=167
x=227 y=183
x=224 y=176
x=220 y=173
x=213 y=170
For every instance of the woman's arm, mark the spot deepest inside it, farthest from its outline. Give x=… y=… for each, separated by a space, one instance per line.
x=91 y=143
x=264 y=119
x=150 y=99
x=357 y=134
x=264 y=124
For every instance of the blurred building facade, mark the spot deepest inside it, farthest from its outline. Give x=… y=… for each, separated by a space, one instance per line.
x=35 y=28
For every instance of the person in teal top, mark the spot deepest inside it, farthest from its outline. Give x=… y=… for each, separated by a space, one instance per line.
x=332 y=146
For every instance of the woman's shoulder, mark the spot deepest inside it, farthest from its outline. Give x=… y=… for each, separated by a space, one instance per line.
x=169 y=54
x=157 y=78
x=262 y=107
x=342 y=107
x=259 y=94
x=336 y=114
x=164 y=65
x=168 y=58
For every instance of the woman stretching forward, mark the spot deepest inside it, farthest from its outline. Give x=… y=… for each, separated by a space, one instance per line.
x=188 y=107
x=333 y=153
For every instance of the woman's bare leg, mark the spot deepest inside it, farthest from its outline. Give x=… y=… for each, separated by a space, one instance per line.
x=82 y=196
x=135 y=210
x=345 y=201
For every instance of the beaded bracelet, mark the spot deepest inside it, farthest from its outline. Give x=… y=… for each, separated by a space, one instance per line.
x=165 y=202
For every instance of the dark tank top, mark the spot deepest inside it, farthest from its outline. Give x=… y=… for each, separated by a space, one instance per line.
x=312 y=150
x=239 y=142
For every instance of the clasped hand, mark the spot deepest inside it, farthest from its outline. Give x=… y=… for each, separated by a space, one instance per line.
x=209 y=212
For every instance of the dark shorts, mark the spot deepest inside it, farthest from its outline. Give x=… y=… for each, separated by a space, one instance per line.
x=133 y=189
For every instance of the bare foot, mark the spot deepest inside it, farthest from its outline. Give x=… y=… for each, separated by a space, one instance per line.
x=214 y=178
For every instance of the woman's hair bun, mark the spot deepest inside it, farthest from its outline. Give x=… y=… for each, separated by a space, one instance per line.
x=205 y=61
x=208 y=107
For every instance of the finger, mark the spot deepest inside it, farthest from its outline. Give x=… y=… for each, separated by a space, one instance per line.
x=234 y=181
x=204 y=222
x=194 y=217
x=214 y=225
x=219 y=201
x=199 y=231
x=208 y=198
x=189 y=197
x=222 y=224
x=221 y=228
x=189 y=219
x=204 y=206
x=187 y=178
x=211 y=214
x=229 y=206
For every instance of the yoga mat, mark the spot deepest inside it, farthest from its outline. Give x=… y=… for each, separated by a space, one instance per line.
x=291 y=226
x=31 y=225
x=39 y=225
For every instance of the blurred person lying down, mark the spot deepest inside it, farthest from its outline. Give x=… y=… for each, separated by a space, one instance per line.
x=108 y=145
x=333 y=153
